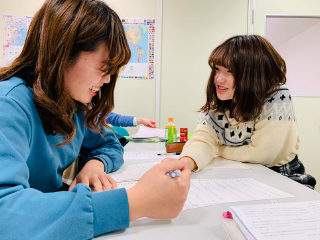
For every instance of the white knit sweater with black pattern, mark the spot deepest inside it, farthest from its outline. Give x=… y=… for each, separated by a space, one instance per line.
x=271 y=140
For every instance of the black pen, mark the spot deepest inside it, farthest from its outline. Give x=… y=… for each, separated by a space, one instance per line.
x=161 y=154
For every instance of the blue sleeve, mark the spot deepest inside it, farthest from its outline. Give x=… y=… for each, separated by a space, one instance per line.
x=106 y=148
x=118 y=120
x=28 y=213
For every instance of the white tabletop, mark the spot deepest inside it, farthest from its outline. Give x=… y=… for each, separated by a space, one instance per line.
x=205 y=223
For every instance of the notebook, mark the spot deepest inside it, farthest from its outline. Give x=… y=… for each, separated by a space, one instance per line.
x=281 y=221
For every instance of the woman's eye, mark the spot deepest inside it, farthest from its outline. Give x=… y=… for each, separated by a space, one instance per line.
x=215 y=68
x=103 y=72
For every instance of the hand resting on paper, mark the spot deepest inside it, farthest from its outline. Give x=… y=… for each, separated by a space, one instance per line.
x=157 y=195
x=92 y=174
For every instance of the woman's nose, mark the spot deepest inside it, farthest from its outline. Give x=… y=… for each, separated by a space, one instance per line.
x=106 y=79
x=221 y=78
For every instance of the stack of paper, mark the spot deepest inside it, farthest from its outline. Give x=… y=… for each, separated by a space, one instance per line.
x=146 y=132
x=144 y=140
x=147 y=155
x=281 y=221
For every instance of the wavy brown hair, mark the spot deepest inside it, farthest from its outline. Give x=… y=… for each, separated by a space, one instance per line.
x=258 y=70
x=59 y=32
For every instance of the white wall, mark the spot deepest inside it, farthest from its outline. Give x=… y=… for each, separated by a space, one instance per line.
x=191 y=30
x=307 y=109
x=303 y=64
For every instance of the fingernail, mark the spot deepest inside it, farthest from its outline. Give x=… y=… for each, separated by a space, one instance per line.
x=184 y=161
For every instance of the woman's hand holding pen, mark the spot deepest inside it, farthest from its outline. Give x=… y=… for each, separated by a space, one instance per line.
x=92 y=174
x=157 y=195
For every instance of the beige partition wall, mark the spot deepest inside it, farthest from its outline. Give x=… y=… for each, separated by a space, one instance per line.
x=191 y=30
x=307 y=108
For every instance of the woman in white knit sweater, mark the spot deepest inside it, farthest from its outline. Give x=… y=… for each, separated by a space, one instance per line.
x=248 y=115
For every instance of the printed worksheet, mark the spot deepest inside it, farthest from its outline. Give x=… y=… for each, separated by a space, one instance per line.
x=281 y=221
x=205 y=192
x=215 y=191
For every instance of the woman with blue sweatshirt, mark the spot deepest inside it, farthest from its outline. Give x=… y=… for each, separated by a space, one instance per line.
x=53 y=101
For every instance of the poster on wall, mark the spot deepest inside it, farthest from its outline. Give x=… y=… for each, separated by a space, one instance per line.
x=15 y=30
x=140 y=34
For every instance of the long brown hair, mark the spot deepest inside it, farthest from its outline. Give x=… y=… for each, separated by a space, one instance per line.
x=59 y=32
x=258 y=70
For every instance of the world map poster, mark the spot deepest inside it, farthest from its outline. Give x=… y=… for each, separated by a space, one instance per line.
x=140 y=34
x=15 y=30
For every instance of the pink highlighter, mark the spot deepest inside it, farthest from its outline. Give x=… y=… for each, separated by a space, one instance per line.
x=227 y=214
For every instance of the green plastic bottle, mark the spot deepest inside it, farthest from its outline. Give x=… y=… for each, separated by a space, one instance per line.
x=171 y=132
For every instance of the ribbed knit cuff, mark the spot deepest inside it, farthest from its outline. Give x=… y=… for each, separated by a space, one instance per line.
x=110 y=211
x=199 y=157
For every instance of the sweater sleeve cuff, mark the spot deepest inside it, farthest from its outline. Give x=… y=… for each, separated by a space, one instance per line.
x=107 y=162
x=199 y=157
x=110 y=211
x=135 y=121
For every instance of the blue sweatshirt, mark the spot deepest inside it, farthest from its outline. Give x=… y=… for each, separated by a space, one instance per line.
x=119 y=120
x=30 y=172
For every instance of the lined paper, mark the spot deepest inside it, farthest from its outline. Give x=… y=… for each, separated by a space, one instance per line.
x=205 y=192
x=281 y=221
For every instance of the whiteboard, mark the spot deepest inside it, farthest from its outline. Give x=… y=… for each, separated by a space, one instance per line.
x=297 y=39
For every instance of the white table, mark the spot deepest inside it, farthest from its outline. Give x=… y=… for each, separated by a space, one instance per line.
x=204 y=223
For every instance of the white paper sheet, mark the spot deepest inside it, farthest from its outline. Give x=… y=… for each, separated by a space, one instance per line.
x=282 y=221
x=220 y=163
x=146 y=132
x=131 y=172
x=205 y=192
x=126 y=185
x=215 y=191
x=147 y=155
